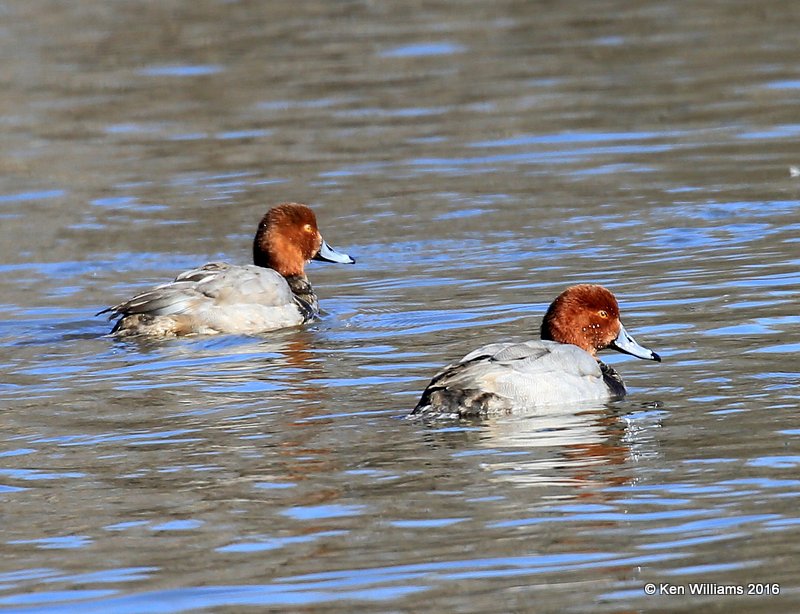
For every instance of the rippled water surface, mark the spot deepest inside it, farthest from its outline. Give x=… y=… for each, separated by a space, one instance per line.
x=476 y=158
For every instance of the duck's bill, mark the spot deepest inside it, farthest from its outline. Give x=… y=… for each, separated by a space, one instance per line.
x=627 y=345
x=327 y=254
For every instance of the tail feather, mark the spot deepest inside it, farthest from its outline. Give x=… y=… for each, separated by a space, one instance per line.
x=460 y=402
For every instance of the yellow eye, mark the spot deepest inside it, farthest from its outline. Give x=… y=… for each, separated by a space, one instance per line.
x=602 y=313
x=308 y=228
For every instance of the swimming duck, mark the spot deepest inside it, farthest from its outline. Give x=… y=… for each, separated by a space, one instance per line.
x=560 y=368
x=218 y=297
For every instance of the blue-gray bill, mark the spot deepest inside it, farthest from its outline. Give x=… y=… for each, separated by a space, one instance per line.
x=327 y=254
x=627 y=345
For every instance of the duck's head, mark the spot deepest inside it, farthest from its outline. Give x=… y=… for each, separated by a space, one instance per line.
x=288 y=237
x=587 y=315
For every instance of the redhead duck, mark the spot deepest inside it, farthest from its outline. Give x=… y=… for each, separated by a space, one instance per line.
x=561 y=368
x=218 y=297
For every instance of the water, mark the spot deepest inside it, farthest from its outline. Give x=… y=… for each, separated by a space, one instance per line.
x=476 y=158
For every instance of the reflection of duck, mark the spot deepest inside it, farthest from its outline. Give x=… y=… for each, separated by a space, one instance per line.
x=561 y=368
x=558 y=447
x=585 y=448
x=219 y=297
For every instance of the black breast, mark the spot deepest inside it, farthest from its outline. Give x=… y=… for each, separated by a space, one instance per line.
x=612 y=380
x=304 y=296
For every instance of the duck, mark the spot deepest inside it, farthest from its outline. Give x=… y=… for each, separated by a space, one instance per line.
x=560 y=368
x=218 y=297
